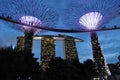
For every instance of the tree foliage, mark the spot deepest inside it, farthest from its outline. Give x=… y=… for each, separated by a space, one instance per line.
x=17 y=65
x=63 y=70
x=21 y=65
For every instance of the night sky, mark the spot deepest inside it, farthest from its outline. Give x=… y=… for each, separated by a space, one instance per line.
x=110 y=40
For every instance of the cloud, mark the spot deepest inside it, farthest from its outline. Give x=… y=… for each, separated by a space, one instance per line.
x=112 y=57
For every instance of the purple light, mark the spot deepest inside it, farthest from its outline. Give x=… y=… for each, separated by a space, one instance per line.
x=91 y=20
x=31 y=21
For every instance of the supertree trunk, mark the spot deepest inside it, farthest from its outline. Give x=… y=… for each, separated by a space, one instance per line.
x=98 y=57
x=28 y=41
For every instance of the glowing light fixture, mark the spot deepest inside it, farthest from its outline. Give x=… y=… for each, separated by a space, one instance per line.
x=30 y=20
x=91 y=20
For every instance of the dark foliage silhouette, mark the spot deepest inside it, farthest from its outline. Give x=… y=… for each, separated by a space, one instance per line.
x=89 y=66
x=21 y=65
x=63 y=70
x=17 y=65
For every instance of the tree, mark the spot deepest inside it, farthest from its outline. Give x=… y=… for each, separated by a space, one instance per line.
x=89 y=66
x=60 y=69
x=17 y=65
x=119 y=58
x=118 y=65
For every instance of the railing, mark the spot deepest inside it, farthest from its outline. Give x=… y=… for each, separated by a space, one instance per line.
x=57 y=30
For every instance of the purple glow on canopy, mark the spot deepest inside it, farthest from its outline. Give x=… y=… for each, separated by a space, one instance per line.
x=91 y=20
x=31 y=21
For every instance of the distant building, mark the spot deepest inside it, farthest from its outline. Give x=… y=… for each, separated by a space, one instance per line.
x=70 y=49
x=48 y=46
x=20 y=43
x=47 y=51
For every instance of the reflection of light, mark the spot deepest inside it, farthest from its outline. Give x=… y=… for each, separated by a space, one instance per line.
x=30 y=20
x=56 y=38
x=13 y=46
x=91 y=20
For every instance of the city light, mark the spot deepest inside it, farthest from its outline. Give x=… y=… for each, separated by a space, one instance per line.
x=91 y=20
x=30 y=20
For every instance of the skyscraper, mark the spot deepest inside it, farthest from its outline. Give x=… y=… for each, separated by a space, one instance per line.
x=48 y=46
x=47 y=51
x=71 y=53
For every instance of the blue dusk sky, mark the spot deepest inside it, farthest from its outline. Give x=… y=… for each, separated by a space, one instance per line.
x=109 y=40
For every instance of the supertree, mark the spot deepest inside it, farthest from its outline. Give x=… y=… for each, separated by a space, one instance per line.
x=90 y=15
x=29 y=31
x=29 y=12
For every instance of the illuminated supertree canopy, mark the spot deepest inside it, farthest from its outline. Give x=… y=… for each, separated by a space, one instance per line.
x=30 y=12
x=30 y=20
x=91 y=20
x=91 y=14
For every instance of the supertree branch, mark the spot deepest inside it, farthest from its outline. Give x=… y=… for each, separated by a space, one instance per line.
x=36 y=8
x=77 y=8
